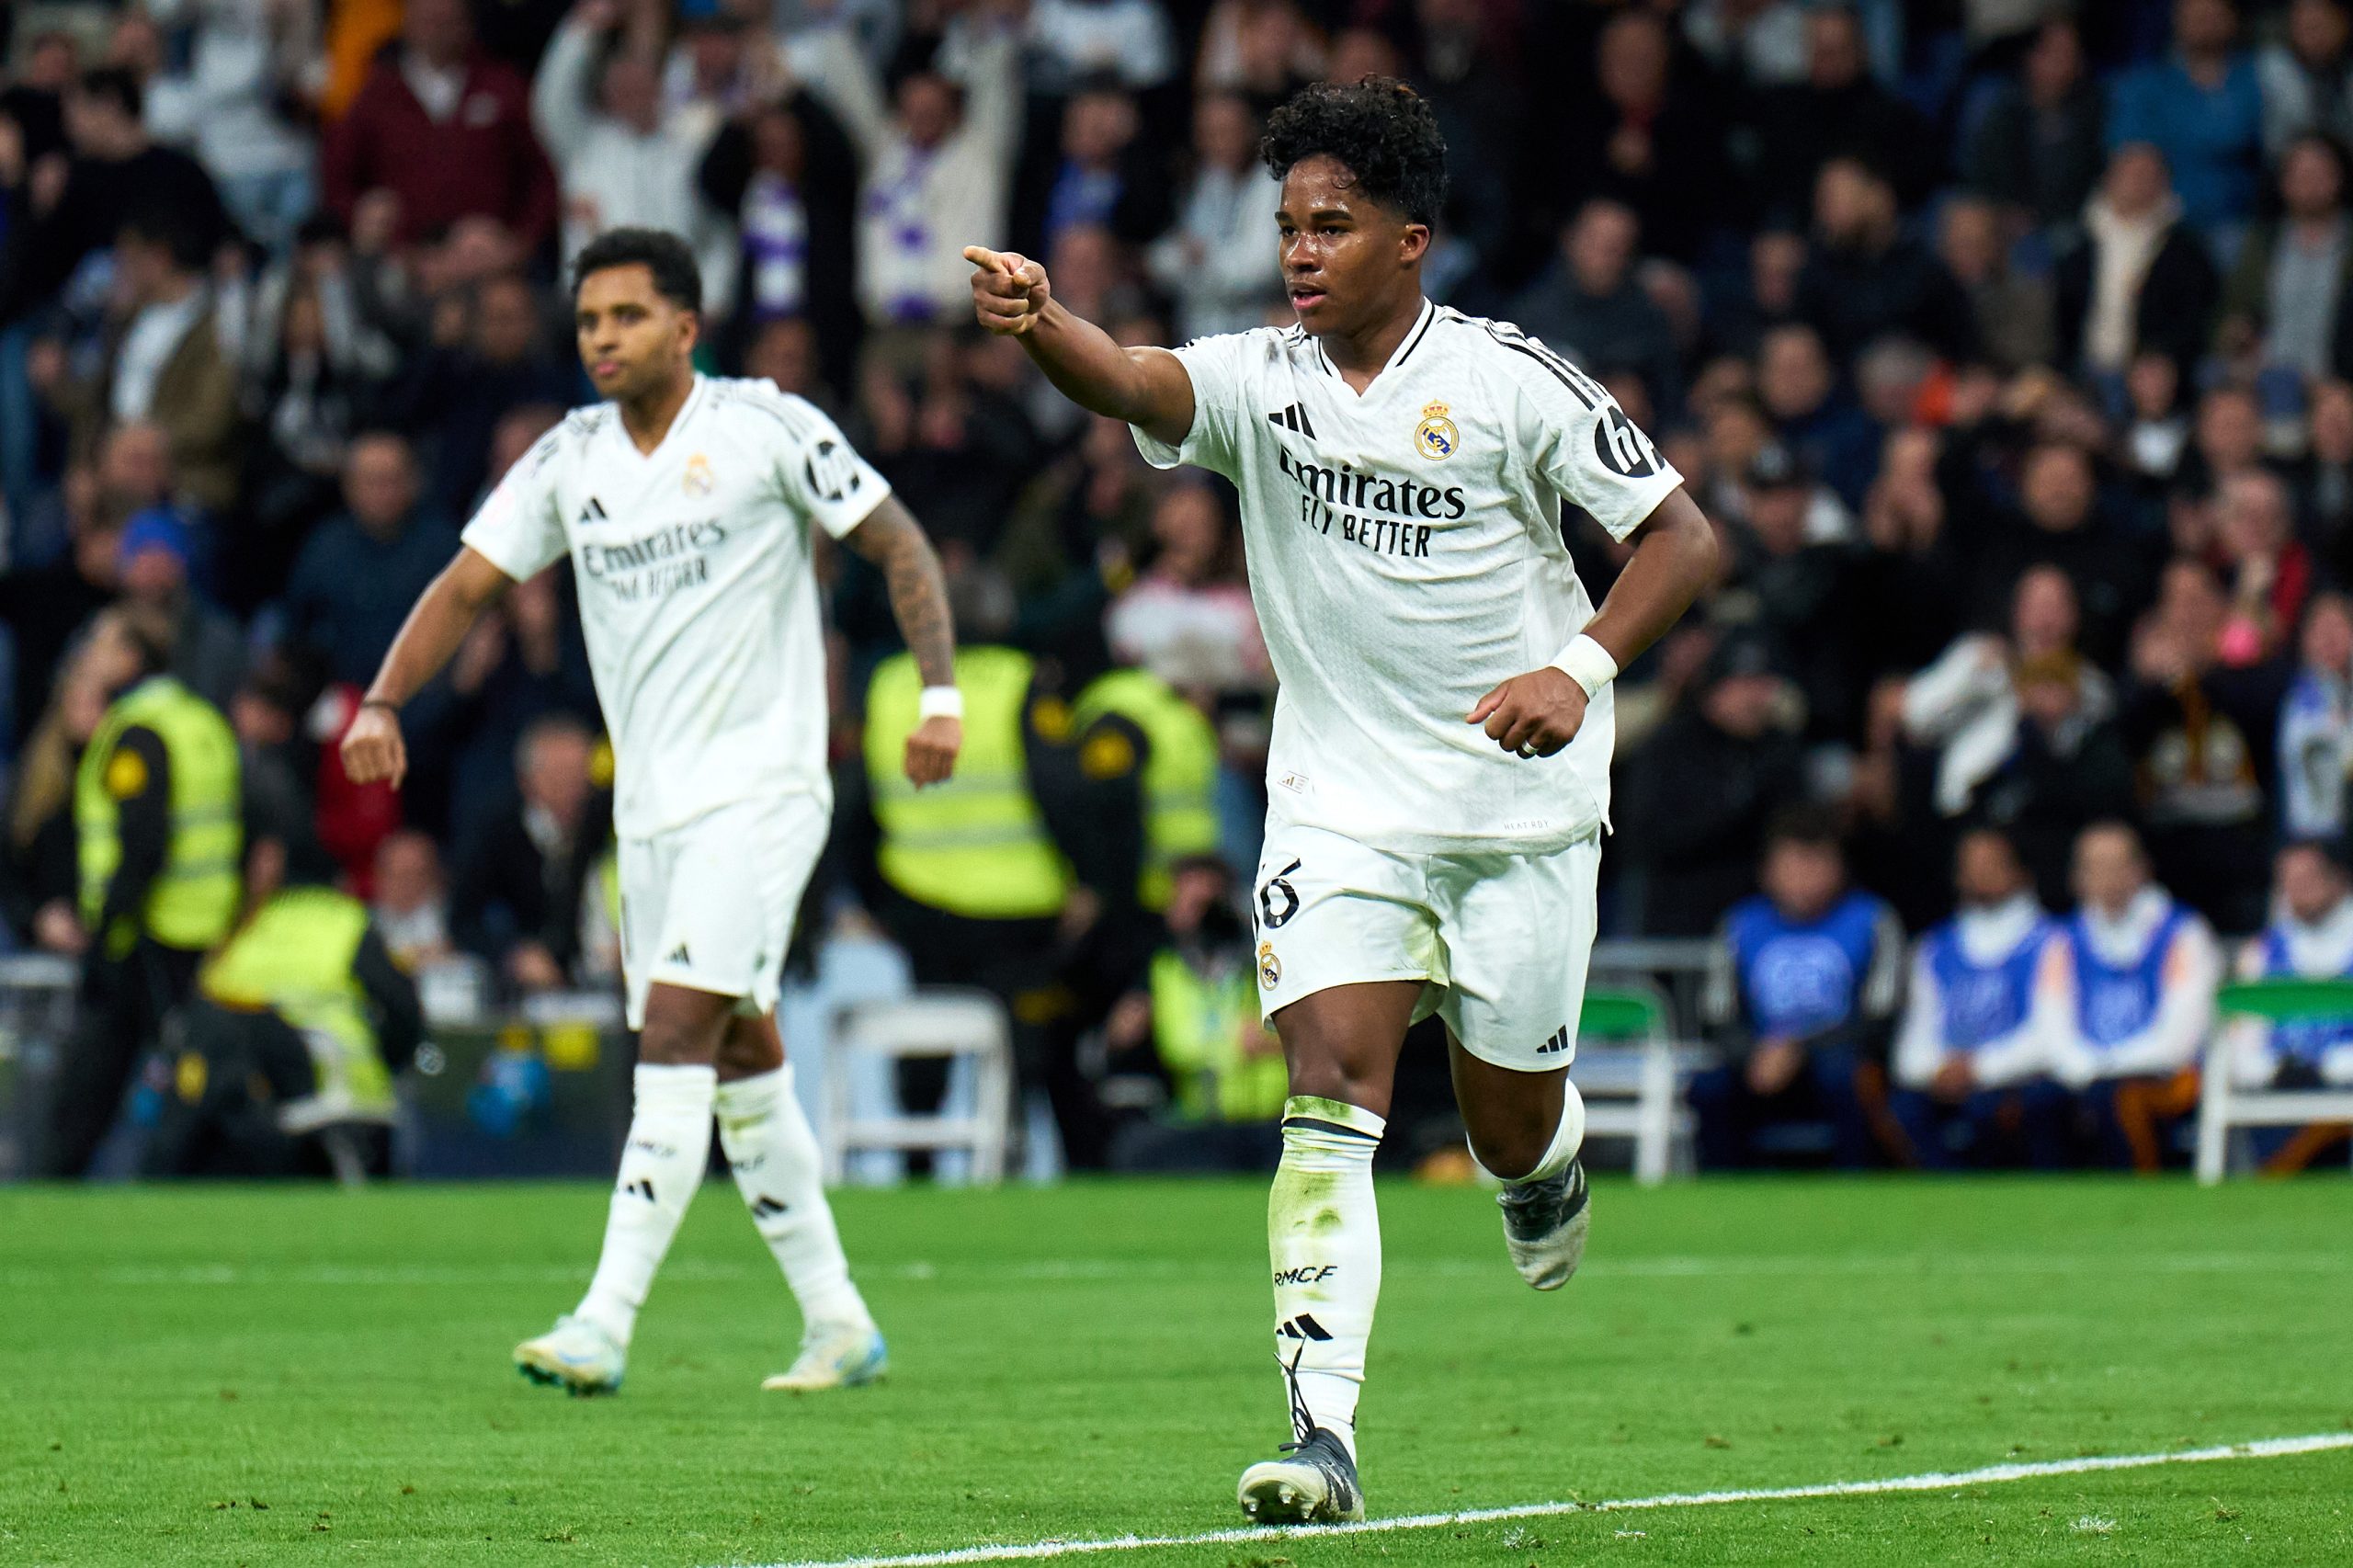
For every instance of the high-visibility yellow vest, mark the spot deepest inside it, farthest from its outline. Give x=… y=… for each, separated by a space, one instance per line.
x=976 y=845
x=1179 y=777
x=294 y=958
x=1197 y=1027
x=194 y=898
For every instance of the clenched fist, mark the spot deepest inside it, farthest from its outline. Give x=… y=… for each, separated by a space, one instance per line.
x=1532 y=715
x=372 y=749
x=1009 y=290
x=931 y=750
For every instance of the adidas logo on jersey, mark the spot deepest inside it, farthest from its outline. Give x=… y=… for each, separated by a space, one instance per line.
x=1559 y=1042
x=1293 y=418
x=678 y=956
x=591 y=513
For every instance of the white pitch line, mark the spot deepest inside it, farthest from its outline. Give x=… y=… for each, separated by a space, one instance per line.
x=2262 y=1449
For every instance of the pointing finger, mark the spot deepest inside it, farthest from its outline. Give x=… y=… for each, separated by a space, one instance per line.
x=984 y=257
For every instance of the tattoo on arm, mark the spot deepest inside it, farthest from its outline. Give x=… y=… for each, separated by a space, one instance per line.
x=894 y=540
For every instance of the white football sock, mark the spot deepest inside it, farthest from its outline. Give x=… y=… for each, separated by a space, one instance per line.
x=1567 y=1139
x=1324 y=1232
x=774 y=1155
x=669 y=1145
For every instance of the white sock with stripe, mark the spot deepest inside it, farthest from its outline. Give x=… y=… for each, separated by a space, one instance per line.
x=669 y=1145
x=773 y=1154
x=1324 y=1232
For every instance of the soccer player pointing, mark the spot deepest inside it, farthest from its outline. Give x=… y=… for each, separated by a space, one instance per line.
x=1438 y=776
x=686 y=503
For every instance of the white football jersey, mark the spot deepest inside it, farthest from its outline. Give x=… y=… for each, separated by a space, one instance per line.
x=695 y=589
x=1406 y=557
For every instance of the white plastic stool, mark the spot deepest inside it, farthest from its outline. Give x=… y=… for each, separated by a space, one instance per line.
x=937 y=1022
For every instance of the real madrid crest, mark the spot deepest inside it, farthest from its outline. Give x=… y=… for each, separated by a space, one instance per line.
x=1435 y=436
x=1271 y=968
x=699 y=478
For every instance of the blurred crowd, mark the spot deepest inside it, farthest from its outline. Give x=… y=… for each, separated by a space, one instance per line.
x=2006 y=343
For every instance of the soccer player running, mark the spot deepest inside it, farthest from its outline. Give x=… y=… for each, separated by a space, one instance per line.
x=1438 y=774
x=686 y=502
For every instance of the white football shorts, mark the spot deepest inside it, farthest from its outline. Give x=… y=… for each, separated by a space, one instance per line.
x=1500 y=941
x=710 y=905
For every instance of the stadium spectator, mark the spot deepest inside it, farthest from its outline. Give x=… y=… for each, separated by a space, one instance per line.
x=115 y=176
x=2201 y=737
x=1216 y=261
x=1806 y=981
x=1700 y=791
x=2270 y=570
x=2307 y=75
x=1098 y=176
x=207 y=655
x=234 y=90
x=1801 y=577
x=1966 y=704
x=43 y=606
x=2058 y=520
x=1188 y=618
x=444 y=130
x=2324 y=482
x=1590 y=306
x=621 y=163
x=1969 y=1059
x=783 y=172
x=2281 y=306
x=2202 y=107
x=2139 y=278
x=160 y=362
x=2009 y=310
x=1799 y=386
x=1660 y=143
x=937 y=165
x=515 y=895
x=461 y=391
x=2132 y=1000
x=1864 y=277
x=2316 y=727
x=2039 y=147
x=1838 y=110
x=1752 y=43
x=411 y=903
x=1073 y=40
x=355 y=580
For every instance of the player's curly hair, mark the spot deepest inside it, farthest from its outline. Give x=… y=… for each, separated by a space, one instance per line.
x=1379 y=129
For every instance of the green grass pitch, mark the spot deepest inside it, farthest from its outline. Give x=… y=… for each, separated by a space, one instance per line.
x=224 y=1376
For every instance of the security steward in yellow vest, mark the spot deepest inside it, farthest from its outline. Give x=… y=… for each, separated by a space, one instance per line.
x=1193 y=1023
x=1134 y=720
x=159 y=834
x=989 y=879
x=301 y=1020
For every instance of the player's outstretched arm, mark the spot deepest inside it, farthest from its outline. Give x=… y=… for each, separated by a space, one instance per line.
x=1674 y=560
x=372 y=749
x=1146 y=387
x=895 y=541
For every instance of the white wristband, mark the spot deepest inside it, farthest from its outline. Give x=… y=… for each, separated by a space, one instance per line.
x=1587 y=663
x=940 y=702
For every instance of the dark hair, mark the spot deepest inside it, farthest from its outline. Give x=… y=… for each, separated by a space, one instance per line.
x=169 y=232
x=117 y=83
x=1379 y=129
x=1810 y=826
x=675 y=275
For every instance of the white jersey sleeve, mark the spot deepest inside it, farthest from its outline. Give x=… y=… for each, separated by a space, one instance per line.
x=519 y=530
x=1216 y=367
x=1577 y=437
x=819 y=473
